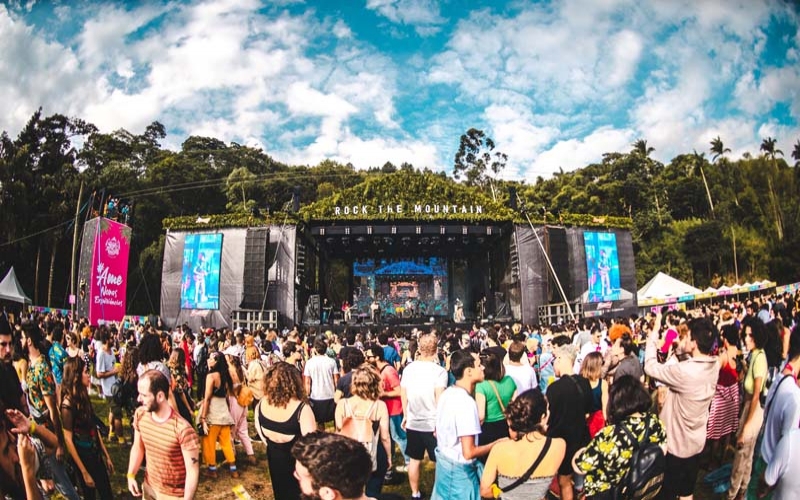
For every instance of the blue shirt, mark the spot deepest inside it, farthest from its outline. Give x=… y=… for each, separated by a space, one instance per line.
x=390 y=355
x=57 y=357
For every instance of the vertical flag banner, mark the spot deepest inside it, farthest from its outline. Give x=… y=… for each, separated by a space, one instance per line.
x=109 y=272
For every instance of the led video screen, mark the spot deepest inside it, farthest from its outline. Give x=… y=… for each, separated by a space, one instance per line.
x=202 y=254
x=402 y=287
x=602 y=266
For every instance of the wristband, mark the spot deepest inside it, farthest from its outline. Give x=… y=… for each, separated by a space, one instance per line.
x=32 y=428
x=130 y=475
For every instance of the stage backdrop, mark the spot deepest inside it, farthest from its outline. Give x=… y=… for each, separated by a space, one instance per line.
x=103 y=270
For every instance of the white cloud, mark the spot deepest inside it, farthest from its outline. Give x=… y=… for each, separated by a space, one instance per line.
x=424 y=15
x=571 y=154
x=515 y=134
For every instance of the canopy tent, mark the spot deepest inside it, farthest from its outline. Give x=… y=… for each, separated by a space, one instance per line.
x=11 y=290
x=664 y=288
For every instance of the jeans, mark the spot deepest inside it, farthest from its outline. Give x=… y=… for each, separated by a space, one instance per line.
x=60 y=477
x=399 y=434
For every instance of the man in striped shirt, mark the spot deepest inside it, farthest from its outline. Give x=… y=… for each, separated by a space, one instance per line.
x=169 y=442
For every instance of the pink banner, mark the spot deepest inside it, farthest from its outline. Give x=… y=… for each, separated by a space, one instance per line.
x=109 y=272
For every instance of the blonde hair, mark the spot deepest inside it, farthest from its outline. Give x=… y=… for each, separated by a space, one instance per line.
x=366 y=383
x=426 y=345
x=592 y=366
x=566 y=351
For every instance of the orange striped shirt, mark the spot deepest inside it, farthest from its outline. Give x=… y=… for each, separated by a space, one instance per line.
x=163 y=445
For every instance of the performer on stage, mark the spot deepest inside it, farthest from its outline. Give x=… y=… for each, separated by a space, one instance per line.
x=375 y=311
x=326 y=311
x=200 y=271
x=480 y=308
x=346 y=310
x=458 y=311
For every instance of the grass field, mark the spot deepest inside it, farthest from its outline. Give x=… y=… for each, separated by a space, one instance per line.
x=255 y=479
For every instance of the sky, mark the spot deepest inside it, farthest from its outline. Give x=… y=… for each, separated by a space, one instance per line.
x=555 y=83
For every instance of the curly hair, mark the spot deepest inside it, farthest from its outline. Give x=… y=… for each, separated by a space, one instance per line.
x=525 y=413
x=334 y=461
x=150 y=349
x=129 y=363
x=366 y=383
x=282 y=383
x=72 y=387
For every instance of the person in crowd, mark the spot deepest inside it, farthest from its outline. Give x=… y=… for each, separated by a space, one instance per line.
x=595 y=344
x=352 y=360
x=492 y=395
x=627 y=353
x=106 y=370
x=215 y=417
x=755 y=338
x=390 y=354
x=547 y=372
x=690 y=388
x=570 y=400
x=390 y=395
x=281 y=417
x=723 y=419
x=43 y=407
x=293 y=354
x=57 y=354
x=606 y=460
x=237 y=409
x=365 y=405
x=168 y=443
x=331 y=466
x=519 y=369
x=127 y=373
x=457 y=429
x=509 y=460
x=320 y=376
x=85 y=446
x=422 y=384
x=592 y=370
x=180 y=384
x=781 y=410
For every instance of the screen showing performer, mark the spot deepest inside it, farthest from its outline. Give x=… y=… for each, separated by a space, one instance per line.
x=202 y=254
x=602 y=266
x=401 y=288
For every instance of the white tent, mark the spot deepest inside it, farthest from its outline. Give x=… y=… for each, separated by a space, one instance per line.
x=664 y=286
x=10 y=289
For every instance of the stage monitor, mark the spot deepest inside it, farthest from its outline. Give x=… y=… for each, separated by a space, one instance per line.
x=403 y=288
x=602 y=266
x=202 y=254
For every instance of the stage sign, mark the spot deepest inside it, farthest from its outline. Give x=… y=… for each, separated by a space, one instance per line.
x=202 y=254
x=109 y=273
x=602 y=266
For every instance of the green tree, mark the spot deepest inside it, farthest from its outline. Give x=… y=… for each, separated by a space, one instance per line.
x=770 y=151
x=477 y=161
x=796 y=153
x=718 y=149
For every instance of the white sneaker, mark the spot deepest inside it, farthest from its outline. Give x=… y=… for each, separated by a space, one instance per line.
x=401 y=468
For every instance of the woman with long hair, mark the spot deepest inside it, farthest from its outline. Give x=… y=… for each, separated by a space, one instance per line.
x=130 y=380
x=493 y=396
x=592 y=370
x=215 y=417
x=509 y=460
x=723 y=417
x=606 y=460
x=81 y=438
x=180 y=385
x=281 y=417
x=239 y=412
x=366 y=406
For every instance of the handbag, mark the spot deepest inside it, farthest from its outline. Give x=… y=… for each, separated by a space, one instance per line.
x=498 y=491
x=244 y=395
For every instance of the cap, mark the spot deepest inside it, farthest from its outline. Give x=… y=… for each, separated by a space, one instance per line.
x=231 y=351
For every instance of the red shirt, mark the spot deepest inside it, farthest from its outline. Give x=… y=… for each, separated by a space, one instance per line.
x=391 y=380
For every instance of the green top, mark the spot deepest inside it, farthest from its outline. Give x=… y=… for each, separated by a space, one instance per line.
x=505 y=388
x=758 y=368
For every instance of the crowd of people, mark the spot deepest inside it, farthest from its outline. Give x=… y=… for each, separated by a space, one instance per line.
x=518 y=411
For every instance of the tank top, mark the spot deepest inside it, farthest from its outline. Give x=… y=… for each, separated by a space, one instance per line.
x=597 y=397
x=289 y=427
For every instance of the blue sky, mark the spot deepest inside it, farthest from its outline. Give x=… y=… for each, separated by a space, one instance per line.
x=556 y=84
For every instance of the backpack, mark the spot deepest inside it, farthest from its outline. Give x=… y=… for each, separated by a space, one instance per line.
x=362 y=428
x=645 y=476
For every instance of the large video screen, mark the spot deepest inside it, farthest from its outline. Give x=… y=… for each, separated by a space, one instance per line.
x=602 y=266
x=403 y=288
x=202 y=254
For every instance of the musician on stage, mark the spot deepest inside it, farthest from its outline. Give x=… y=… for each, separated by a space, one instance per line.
x=346 y=310
x=480 y=307
x=375 y=311
x=458 y=311
x=326 y=311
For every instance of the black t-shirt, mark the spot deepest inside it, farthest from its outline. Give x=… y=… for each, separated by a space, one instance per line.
x=567 y=414
x=344 y=384
x=10 y=387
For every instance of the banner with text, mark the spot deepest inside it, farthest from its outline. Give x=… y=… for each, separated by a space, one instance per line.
x=109 y=272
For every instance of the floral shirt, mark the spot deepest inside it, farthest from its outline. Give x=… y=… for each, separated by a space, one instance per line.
x=606 y=459
x=57 y=356
x=40 y=384
x=179 y=379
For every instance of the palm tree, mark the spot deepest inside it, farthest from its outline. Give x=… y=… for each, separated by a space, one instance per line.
x=718 y=149
x=796 y=153
x=768 y=147
x=640 y=148
x=700 y=159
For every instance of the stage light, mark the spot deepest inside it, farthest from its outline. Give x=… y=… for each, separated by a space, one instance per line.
x=361 y=240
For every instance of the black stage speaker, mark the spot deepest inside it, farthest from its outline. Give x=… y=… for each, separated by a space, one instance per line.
x=255 y=267
x=559 y=257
